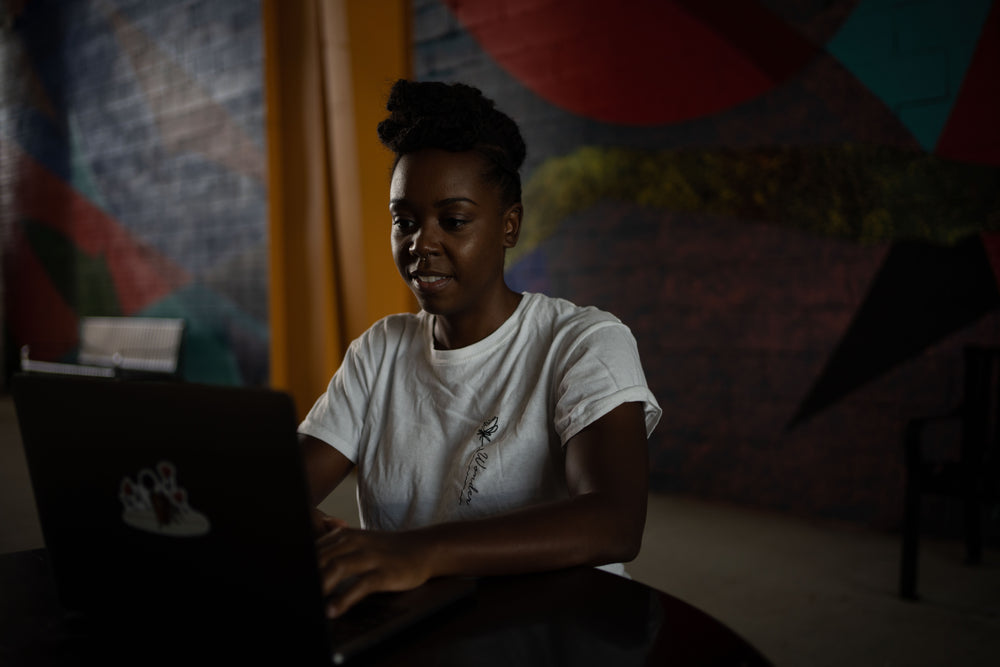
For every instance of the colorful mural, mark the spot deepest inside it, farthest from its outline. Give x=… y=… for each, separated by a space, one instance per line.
x=775 y=197
x=133 y=176
x=794 y=205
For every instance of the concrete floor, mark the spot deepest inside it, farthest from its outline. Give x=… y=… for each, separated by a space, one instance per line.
x=803 y=592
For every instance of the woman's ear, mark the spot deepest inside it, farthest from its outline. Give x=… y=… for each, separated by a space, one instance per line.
x=512 y=225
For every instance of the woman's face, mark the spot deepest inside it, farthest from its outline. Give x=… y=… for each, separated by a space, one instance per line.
x=449 y=232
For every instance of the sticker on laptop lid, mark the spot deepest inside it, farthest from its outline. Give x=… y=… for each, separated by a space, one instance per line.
x=154 y=502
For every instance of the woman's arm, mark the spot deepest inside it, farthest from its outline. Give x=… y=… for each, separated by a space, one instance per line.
x=325 y=468
x=602 y=522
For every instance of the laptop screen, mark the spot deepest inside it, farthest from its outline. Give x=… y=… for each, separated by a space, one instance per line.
x=166 y=500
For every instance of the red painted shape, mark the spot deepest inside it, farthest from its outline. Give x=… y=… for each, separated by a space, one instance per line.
x=140 y=274
x=639 y=62
x=37 y=314
x=972 y=133
x=991 y=244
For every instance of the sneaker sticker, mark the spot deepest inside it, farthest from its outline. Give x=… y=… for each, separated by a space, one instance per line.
x=156 y=503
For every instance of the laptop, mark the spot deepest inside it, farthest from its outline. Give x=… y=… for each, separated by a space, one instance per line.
x=176 y=519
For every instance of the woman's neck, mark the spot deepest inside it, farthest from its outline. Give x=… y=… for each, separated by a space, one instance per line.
x=452 y=332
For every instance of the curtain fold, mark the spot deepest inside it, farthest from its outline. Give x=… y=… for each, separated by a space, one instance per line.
x=306 y=325
x=328 y=65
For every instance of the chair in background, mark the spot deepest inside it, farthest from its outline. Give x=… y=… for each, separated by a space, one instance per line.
x=973 y=476
x=120 y=347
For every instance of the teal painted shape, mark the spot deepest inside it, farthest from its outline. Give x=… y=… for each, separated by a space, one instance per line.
x=912 y=55
x=81 y=176
x=213 y=324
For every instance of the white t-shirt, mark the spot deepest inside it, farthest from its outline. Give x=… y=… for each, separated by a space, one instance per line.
x=440 y=435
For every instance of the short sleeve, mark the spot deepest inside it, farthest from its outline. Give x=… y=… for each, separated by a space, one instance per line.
x=339 y=416
x=600 y=370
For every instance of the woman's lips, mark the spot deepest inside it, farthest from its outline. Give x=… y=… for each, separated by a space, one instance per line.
x=427 y=282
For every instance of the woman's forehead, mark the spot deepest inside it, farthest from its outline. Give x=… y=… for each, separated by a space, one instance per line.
x=438 y=174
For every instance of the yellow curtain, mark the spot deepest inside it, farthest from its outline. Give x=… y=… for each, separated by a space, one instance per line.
x=327 y=68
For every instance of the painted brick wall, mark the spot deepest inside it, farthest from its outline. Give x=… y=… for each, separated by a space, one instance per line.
x=133 y=175
x=740 y=242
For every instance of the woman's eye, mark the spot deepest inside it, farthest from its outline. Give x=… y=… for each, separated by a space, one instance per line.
x=402 y=224
x=454 y=223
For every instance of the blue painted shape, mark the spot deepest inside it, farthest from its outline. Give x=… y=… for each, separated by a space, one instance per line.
x=912 y=55
x=39 y=137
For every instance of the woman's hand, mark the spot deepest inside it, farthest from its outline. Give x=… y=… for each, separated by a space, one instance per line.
x=355 y=563
x=324 y=523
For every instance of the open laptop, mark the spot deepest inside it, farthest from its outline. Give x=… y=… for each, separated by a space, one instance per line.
x=176 y=519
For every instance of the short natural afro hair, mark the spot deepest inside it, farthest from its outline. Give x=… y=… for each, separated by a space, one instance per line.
x=455 y=117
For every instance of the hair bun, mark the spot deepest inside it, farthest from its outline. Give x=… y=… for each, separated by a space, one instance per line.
x=455 y=117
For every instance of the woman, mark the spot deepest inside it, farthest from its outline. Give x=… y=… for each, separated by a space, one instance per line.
x=493 y=432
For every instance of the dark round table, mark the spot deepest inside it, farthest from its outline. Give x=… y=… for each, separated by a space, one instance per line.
x=580 y=616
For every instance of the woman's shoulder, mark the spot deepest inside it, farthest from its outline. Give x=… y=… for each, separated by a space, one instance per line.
x=561 y=314
x=400 y=322
x=392 y=330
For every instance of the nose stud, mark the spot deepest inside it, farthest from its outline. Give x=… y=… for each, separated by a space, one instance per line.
x=422 y=256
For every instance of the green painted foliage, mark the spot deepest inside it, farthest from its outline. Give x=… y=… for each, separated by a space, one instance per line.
x=869 y=194
x=83 y=280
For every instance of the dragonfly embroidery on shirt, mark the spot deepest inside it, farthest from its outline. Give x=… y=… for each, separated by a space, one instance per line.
x=486 y=432
x=479 y=459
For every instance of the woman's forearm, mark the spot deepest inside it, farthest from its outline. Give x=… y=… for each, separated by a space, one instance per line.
x=589 y=529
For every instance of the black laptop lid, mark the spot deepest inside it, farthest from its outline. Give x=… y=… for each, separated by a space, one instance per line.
x=166 y=499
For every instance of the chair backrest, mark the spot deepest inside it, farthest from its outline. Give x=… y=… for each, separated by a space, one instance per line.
x=110 y=346
x=981 y=407
x=149 y=344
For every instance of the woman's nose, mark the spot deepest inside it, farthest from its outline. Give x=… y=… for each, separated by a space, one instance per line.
x=424 y=242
